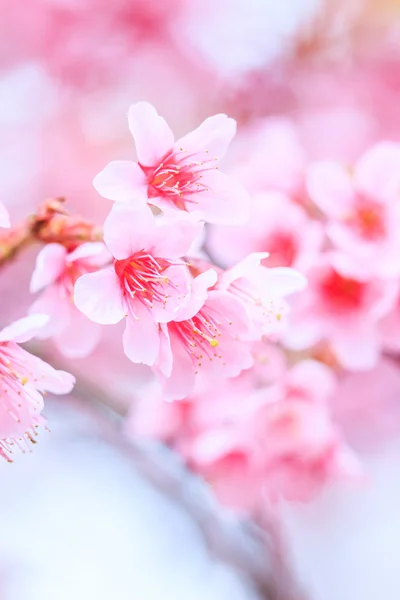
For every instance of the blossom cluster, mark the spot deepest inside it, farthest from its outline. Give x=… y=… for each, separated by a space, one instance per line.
x=249 y=294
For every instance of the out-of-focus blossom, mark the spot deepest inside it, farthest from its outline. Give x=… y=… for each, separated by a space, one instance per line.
x=208 y=337
x=363 y=208
x=24 y=378
x=55 y=275
x=4 y=218
x=262 y=291
x=278 y=226
x=181 y=175
x=279 y=438
x=86 y=43
x=342 y=310
x=147 y=282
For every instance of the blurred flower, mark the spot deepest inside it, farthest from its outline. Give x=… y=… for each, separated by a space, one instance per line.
x=362 y=209
x=24 y=378
x=55 y=275
x=277 y=225
x=342 y=310
x=177 y=176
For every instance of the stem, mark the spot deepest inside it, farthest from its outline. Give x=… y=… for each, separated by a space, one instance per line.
x=50 y=224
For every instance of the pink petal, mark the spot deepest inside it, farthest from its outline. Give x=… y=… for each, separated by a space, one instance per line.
x=4 y=217
x=357 y=348
x=57 y=306
x=177 y=289
x=164 y=358
x=225 y=200
x=24 y=329
x=313 y=376
x=174 y=236
x=247 y=266
x=214 y=135
x=45 y=378
x=282 y=281
x=89 y=250
x=153 y=137
x=122 y=181
x=377 y=173
x=98 y=295
x=182 y=379
x=330 y=187
x=141 y=339
x=50 y=264
x=128 y=230
x=80 y=337
x=198 y=295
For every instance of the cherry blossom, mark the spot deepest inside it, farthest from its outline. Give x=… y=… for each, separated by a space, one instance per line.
x=208 y=337
x=54 y=276
x=277 y=225
x=362 y=208
x=342 y=310
x=24 y=378
x=262 y=291
x=182 y=175
x=147 y=282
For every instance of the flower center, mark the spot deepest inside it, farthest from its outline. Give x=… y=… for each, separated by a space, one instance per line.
x=199 y=336
x=142 y=276
x=179 y=177
x=282 y=248
x=342 y=293
x=368 y=220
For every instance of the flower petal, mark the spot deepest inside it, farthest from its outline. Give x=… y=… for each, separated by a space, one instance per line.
x=45 y=377
x=141 y=339
x=225 y=200
x=213 y=135
x=377 y=172
x=98 y=295
x=90 y=250
x=50 y=264
x=122 y=181
x=182 y=379
x=198 y=295
x=153 y=137
x=80 y=337
x=128 y=229
x=281 y=281
x=174 y=236
x=330 y=187
x=57 y=306
x=24 y=329
x=357 y=348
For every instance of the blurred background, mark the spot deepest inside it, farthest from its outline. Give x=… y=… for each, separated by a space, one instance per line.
x=86 y=516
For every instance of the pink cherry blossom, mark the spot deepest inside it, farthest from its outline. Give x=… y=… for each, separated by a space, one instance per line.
x=24 y=378
x=362 y=208
x=262 y=291
x=55 y=275
x=294 y=437
x=277 y=225
x=4 y=218
x=208 y=337
x=147 y=282
x=343 y=311
x=181 y=175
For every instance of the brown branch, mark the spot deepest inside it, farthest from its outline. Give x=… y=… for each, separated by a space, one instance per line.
x=50 y=224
